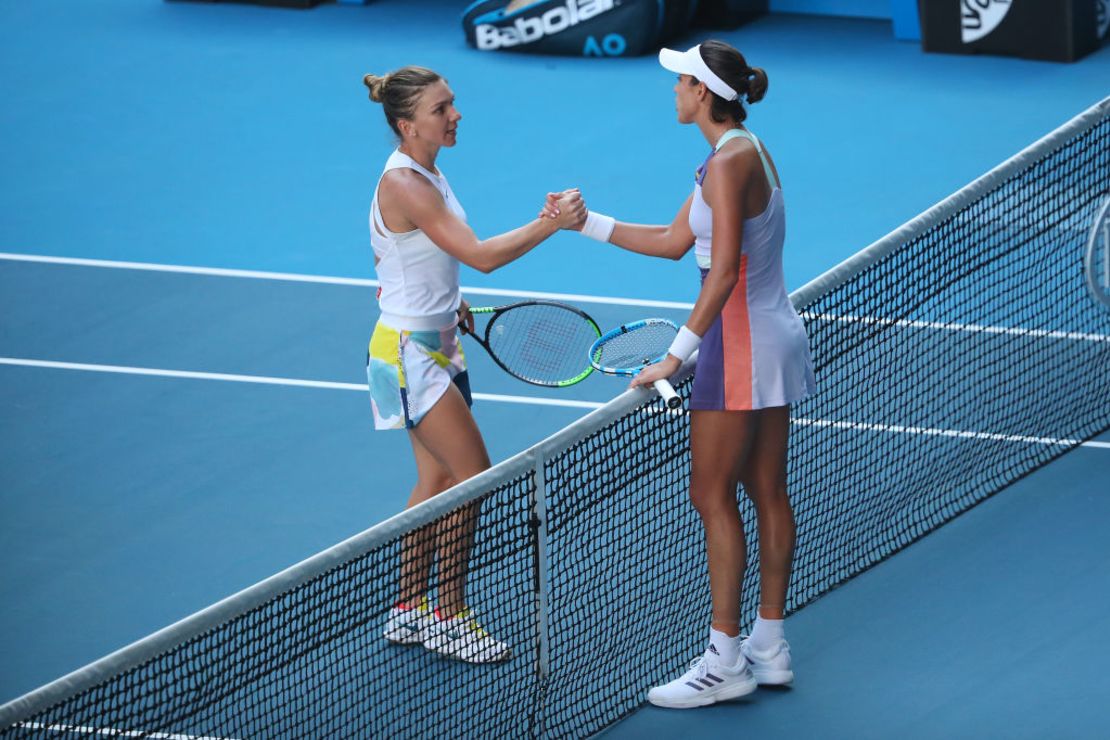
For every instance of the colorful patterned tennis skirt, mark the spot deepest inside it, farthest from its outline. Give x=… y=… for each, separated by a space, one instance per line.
x=409 y=371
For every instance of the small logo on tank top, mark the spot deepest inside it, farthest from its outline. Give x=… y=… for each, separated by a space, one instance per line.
x=978 y=18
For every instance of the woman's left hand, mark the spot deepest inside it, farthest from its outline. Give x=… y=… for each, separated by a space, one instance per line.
x=572 y=210
x=665 y=368
x=554 y=203
x=466 y=319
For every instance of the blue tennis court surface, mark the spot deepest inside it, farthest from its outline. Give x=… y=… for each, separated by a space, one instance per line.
x=171 y=436
x=992 y=626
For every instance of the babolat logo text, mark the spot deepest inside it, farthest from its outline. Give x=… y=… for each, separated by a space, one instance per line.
x=979 y=17
x=526 y=30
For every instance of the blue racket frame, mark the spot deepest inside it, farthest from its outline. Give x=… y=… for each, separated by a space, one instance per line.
x=662 y=386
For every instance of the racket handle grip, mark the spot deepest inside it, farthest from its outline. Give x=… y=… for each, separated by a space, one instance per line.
x=666 y=390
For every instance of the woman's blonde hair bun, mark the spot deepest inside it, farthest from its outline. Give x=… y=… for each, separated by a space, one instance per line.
x=376 y=85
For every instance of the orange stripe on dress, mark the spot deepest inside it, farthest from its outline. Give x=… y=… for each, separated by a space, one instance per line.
x=736 y=345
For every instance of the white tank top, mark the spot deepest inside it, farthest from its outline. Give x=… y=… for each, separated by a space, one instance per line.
x=764 y=233
x=419 y=281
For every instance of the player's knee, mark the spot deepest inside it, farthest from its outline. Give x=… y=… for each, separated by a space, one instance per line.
x=763 y=485
x=711 y=497
x=438 y=482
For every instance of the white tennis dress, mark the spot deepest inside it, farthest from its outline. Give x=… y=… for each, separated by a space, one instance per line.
x=756 y=353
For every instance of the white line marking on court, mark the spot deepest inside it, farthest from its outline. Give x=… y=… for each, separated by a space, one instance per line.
x=528 y=400
x=264 y=380
x=567 y=297
x=534 y=401
x=114 y=732
x=327 y=280
x=896 y=429
x=976 y=328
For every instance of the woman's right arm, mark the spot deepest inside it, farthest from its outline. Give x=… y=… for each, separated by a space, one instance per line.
x=670 y=242
x=423 y=206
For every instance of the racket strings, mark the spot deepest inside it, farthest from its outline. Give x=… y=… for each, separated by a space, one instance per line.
x=542 y=343
x=636 y=347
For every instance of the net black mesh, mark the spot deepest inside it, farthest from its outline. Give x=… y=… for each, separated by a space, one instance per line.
x=946 y=371
x=313 y=662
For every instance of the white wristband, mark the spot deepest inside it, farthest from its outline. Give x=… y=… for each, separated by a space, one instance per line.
x=684 y=344
x=599 y=226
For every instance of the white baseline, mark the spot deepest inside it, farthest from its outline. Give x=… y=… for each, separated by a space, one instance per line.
x=328 y=280
x=538 y=295
x=266 y=380
x=113 y=732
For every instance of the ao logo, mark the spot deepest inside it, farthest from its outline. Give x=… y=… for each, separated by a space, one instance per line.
x=612 y=45
x=1097 y=263
x=979 y=17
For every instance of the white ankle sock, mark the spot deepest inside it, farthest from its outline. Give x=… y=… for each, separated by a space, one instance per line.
x=727 y=648
x=766 y=635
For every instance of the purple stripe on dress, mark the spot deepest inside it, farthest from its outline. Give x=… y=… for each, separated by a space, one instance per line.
x=708 y=393
x=699 y=174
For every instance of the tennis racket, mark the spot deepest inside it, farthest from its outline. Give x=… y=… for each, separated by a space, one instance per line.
x=628 y=348
x=539 y=342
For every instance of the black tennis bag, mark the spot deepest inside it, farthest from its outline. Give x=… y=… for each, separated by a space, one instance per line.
x=601 y=28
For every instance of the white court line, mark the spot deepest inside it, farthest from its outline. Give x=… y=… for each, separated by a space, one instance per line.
x=357 y=282
x=264 y=380
x=897 y=429
x=295 y=382
x=977 y=328
x=113 y=732
x=567 y=297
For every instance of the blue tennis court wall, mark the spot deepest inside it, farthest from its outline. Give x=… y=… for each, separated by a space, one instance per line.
x=903 y=13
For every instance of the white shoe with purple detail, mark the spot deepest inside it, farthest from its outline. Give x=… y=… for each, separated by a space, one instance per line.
x=705 y=682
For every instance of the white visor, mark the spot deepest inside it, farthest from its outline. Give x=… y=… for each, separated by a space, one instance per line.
x=689 y=62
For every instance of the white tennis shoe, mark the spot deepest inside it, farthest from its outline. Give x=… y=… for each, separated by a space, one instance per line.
x=705 y=682
x=461 y=637
x=770 y=668
x=409 y=626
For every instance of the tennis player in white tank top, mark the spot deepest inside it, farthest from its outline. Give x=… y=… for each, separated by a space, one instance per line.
x=752 y=364
x=415 y=365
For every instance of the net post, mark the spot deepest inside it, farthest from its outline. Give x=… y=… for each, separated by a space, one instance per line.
x=538 y=523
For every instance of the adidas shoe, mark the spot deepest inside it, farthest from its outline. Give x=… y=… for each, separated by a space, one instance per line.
x=770 y=668
x=408 y=625
x=706 y=682
x=462 y=638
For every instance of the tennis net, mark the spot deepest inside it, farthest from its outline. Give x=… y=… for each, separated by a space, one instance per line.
x=953 y=357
